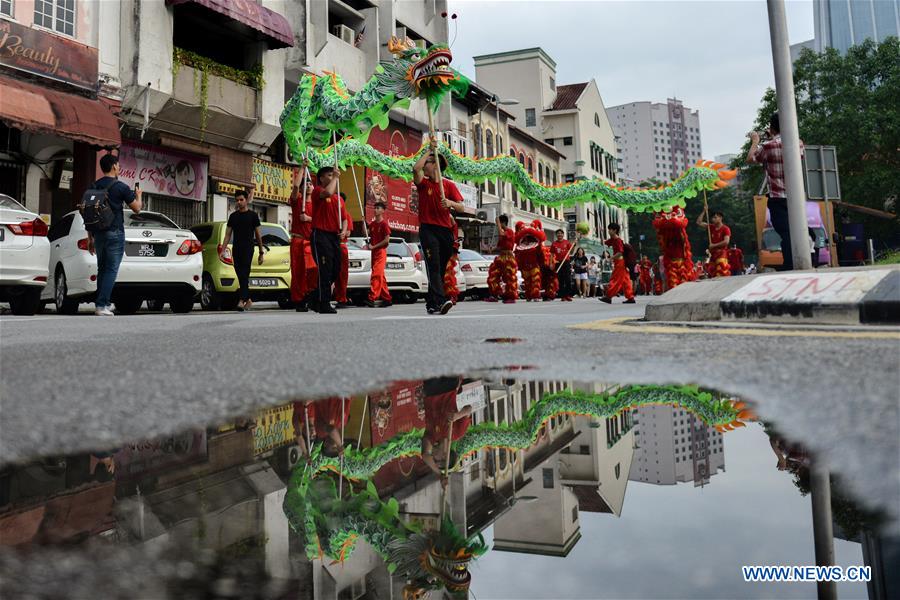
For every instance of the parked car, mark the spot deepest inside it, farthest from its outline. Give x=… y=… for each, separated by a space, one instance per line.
x=474 y=268
x=162 y=263
x=268 y=281
x=420 y=261
x=24 y=256
x=405 y=271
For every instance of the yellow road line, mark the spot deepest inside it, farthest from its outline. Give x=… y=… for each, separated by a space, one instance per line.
x=618 y=326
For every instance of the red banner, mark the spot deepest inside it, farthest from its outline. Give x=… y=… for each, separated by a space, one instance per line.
x=402 y=212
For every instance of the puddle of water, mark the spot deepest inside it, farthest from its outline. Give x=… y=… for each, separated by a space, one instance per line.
x=503 y=340
x=579 y=490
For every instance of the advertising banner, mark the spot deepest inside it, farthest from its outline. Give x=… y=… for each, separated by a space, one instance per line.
x=274 y=428
x=402 y=202
x=272 y=181
x=35 y=51
x=162 y=170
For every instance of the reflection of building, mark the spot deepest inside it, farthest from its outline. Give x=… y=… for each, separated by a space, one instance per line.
x=674 y=446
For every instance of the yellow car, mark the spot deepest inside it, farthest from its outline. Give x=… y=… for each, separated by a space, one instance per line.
x=268 y=281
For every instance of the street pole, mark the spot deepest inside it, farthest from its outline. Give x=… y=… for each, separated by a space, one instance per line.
x=790 y=135
x=823 y=529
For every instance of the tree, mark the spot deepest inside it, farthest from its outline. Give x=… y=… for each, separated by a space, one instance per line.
x=851 y=102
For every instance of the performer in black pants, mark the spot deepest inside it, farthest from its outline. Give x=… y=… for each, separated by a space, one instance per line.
x=436 y=224
x=328 y=229
x=243 y=228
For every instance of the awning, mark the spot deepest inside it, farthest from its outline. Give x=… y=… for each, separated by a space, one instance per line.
x=31 y=107
x=268 y=22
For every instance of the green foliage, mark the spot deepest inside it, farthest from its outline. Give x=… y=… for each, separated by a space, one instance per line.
x=849 y=101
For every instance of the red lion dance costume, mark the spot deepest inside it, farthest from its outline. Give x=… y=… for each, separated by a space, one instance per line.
x=533 y=259
x=671 y=232
x=502 y=280
x=645 y=279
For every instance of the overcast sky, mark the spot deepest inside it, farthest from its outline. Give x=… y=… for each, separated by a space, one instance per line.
x=714 y=56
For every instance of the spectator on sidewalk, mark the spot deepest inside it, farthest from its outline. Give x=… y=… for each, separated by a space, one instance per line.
x=593 y=271
x=770 y=154
x=243 y=229
x=109 y=245
x=579 y=265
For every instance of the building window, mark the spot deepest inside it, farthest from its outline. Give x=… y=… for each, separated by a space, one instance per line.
x=597 y=119
x=477 y=132
x=618 y=470
x=567 y=141
x=58 y=15
x=553 y=84
x=548 y=478
x=574 y=513
x=530 y=120
x=549 y=141
x=489 y=136
x=6 y=7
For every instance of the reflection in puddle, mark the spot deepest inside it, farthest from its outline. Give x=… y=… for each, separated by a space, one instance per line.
x=503 y=340
x=394 y=492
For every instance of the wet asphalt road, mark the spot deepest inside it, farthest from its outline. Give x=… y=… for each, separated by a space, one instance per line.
x=77 y=383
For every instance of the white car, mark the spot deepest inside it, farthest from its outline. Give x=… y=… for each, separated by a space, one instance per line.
x=405 y=272
x=24 y=254
x=162 y=263
x=420 y=261
x=474 y=268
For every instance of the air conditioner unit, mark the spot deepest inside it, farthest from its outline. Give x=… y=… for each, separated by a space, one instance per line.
x=286 y=458
x=488 y=214
x=345 y=33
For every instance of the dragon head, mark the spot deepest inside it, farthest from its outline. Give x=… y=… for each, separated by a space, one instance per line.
x=420 y=72
x=436 y=560
x=530 y=236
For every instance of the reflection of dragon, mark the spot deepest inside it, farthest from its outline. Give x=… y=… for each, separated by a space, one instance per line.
x=322 y=109
x=533 y=259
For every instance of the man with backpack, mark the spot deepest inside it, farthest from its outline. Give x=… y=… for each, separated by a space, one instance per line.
x=101 y=209
x=621 y=275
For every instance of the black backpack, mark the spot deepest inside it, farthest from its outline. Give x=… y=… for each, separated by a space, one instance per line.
x=95 y=209
x=630 y=256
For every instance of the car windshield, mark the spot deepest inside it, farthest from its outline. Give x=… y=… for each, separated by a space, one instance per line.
x=771 y=240
x=146 y=219
x=399 y=249
x=7 y=202
x=272 y=235
x=470 y=255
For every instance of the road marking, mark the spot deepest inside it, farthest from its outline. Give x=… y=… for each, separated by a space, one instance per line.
x=618 y=326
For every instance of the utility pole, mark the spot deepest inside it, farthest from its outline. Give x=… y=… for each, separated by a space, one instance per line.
x=790 y=136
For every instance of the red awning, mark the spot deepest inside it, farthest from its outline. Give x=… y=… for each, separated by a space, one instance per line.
x=266 y=21
x=36 y=108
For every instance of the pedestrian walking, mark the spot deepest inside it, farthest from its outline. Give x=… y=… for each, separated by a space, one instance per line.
x=327 y=224
x=503 y=281
x=770 y=154
x=561 y=250
x=340 y=286
x=579 y=265
x=719 y=238
x=379 y=238
x=242 y=230
x=435 y=224
x=109 y=244
x=304 y=273
x=605 y=268
x=593 y=271
x=645 y=279
x=621 y=279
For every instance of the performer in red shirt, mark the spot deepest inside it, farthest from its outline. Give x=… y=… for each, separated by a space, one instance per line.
x=328 y=227
x=331 y=417
x=561 y=249
x=435 y=227
x=451 y=287
x=645 y=280
x=503 y=281
x=444 y=422
x=736 y=260
x=379 y=238
x=340 y=286
x=304 y=273
x=304 y=419
x=720 y=237
x=620 y=281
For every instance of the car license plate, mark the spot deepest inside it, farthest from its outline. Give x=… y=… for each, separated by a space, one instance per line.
x=356 y=264
x=263 y=282
x=395 y=265
x=146 y=250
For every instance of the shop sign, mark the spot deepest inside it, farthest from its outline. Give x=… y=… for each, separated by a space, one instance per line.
x=472 y=394
x=35 y=51
x=163 y=171
x=272 y=181
x=400 y=197
x=274 y=427
x=152 y=456
x=470 y=196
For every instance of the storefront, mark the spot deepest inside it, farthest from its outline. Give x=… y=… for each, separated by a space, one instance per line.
x=400 y=197
x=51 y=121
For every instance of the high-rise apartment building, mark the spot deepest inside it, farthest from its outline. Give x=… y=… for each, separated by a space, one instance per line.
x=656 y=140
x=840 y=24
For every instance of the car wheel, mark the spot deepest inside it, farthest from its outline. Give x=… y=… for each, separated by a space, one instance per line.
x=209 y=297
x=182 y=304
x=25 y=302
x=285 y=303
x=128 y=305
x=156 y=305
x=64 y=304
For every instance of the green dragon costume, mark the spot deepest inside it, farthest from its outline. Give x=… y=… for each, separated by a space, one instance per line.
x=322 y=112
x=331 y=525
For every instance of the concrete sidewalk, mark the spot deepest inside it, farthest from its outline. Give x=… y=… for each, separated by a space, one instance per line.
x=844 y=296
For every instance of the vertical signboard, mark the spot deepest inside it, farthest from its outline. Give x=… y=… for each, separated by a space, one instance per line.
x=399 y=196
